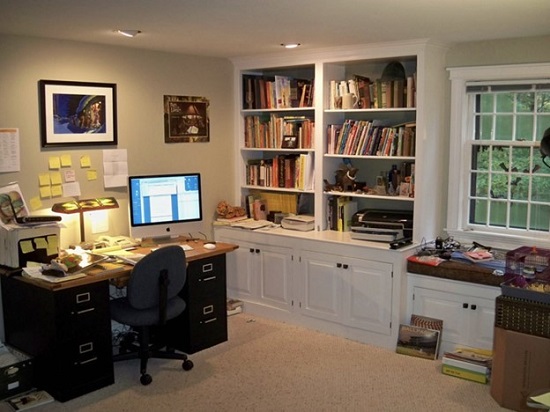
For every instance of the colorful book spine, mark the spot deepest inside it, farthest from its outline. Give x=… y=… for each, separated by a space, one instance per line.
x=464 y=374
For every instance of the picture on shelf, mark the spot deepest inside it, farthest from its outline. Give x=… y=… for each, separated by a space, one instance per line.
x=289 y=142
x=418 y=341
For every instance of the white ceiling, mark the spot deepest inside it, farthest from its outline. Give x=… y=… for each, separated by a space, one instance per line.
x=231 y=28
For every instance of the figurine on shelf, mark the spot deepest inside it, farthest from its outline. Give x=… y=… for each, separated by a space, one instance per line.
x=345 y=177
x=226 y=211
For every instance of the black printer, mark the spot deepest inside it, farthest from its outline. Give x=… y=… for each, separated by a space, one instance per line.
x=382 y=225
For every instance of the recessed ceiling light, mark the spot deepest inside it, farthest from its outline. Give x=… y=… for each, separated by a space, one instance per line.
x=129 y=33
x=290 y=45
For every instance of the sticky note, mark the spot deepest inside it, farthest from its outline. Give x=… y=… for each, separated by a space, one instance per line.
x=91 y=174
x=57 y=190
x=40 y=243
x=66 y=160
x=55 y=178
x=44 y=179
x=35 y=203
x=54 y=162
x=26 y=246
x=45 y=192
x=85 y=161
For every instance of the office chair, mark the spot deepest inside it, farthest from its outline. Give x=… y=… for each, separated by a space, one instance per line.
x=151 y=300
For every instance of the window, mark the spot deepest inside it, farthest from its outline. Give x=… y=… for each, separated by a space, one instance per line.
x=501 y=193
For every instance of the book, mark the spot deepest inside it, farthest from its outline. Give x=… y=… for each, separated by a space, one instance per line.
x=464 y=374
x=478 y=256
x=418 y=341
x=30 y=400
x=474 y=367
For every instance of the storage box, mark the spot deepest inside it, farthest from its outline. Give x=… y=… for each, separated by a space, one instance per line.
x=520 y=366
x=522 y=316
x=515 y=260
x=29 y=244
x=512 y=288
x=16 y=372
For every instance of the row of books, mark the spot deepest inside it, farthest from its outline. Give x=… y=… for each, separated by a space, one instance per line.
x=369 y=138
x=274 y=132
x=471 y=364
x=376 y=94
x=276 y=92
x=293 y=171
x=340 y=213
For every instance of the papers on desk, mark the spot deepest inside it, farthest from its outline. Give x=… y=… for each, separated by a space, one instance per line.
x=126 y=256
x=35 y=272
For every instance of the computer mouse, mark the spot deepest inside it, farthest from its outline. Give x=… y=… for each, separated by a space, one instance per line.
x=209 y=246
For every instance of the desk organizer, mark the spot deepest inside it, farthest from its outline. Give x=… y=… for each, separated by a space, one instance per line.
x=521 y=315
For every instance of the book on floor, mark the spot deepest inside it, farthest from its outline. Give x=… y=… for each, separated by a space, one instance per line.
x=418 y=341
x=30 y=400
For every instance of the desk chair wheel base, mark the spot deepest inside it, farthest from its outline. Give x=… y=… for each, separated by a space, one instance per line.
x=146 y=379
x=187 y=365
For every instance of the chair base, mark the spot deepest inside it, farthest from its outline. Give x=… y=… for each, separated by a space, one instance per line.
x=143 y=350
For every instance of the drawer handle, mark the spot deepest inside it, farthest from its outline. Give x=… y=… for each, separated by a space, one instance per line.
x=80 y=312
x=210 y=320
x=86 y=347
x=208 y=309
x=208 y=267
x=83 y=297
x=88 y=360
x=208 y=278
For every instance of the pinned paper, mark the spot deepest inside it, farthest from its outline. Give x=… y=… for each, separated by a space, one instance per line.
x=35 y=203
x=85 y=161
x=91 y=174
x=41 y=243
x=44 y=179
x=71 y=189
x=66 y=160
x=45 y=192
x=57 y=190
x=26 y=246
x=55 y=178
x=70 y=175
x=54 y=162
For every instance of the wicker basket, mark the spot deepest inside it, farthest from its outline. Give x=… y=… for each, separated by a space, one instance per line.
x=521 y=315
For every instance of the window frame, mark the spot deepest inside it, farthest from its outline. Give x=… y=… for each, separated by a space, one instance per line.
x=459 y=166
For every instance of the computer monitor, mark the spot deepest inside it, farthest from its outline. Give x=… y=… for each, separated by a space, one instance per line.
x=165 y=206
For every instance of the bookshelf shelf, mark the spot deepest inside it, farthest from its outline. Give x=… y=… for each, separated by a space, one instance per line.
x=367 y=196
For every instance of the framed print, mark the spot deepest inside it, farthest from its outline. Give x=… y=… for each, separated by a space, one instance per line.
x=418 y=341
x=186 y=119
x=289 y=142
x=77 y=113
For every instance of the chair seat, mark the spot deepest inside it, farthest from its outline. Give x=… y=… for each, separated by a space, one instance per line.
x=122 y=312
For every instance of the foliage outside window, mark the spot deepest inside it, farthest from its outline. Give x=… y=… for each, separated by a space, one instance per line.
x=505 y=187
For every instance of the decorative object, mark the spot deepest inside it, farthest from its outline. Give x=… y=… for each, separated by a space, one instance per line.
x=225 y=211
x=87 y=205
x=186 y=119
x=77 y=113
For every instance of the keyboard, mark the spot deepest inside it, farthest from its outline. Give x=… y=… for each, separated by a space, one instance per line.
x=184 y=246
x=37 y=219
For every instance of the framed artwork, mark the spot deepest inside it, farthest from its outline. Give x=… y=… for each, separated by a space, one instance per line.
x=77 y=113
x=289 y=142
x=186 y=119
x=418 y=341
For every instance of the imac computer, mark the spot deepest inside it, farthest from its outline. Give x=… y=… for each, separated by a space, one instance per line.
x=163 y=207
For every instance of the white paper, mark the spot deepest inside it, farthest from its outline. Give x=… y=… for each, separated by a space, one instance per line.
x=10 y=160
x=115 y=168
x=71 y=189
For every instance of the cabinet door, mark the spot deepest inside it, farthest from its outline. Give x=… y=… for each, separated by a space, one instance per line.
x=275 y=276
x=367 y=295
x=241 y=282
x=321 y=286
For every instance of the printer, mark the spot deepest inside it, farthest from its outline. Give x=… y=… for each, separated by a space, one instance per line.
x=382 y=225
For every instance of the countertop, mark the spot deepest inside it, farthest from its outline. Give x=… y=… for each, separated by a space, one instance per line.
x=465 y=272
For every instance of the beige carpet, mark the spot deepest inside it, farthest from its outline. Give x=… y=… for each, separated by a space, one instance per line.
x=270 y=366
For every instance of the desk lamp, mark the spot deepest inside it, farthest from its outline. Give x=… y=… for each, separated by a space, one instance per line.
x=545 y=146
x=87 y=205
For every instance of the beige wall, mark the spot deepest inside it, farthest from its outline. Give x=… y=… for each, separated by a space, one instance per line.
x=142 y=78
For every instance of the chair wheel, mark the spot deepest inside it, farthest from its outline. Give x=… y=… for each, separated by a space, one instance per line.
x=146 y=379
x=187 y=365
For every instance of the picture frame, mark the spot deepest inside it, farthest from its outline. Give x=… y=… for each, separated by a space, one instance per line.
x=289 y=142
x=418 y=341
x=77 y=113
x=186 y=119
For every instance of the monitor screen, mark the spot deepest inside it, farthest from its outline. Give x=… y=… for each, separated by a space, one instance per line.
x=165 y=206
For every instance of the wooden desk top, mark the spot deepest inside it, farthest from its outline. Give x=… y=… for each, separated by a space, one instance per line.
x=97 y=274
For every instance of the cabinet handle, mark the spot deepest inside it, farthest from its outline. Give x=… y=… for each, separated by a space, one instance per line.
x=88 y=360
x=474 y=307
x=208 y=309
x=207 y=267
x=257 y=250
x=210 y=320
x=251 y=250
x=465 y=306
x=80 y=312
x=86 y=347
x=345 y=266
x=207 y=279
x=338 y=265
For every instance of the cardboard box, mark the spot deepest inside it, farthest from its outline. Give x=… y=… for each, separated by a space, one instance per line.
x=520 y=366
x=16 y=372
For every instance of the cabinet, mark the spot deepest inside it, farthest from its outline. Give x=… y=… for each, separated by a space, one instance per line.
x=67 y=331
x=203 y=324
x=467 y=310
x=343 y=290
x=422 y=61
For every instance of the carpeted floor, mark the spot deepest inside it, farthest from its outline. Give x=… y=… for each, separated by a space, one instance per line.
x=271 y=366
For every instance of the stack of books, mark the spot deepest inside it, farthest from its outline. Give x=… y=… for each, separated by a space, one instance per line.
x=470 y=364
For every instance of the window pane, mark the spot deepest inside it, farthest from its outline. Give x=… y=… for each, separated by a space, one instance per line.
x=478 y=211
x=499 y=186
x=505 y=102
x=480 y=185
x=503 y=127
x=543 y=123
x=500 y=159
x=539 y=217
x=486 y=103
x=543 y=102
x=497 y=213
x=524 y=127
x=480 y=158
x=541 y=190
x=518 y=215
x=519 y=187
x=484 y=129
x=525 y=102
x=521 y=158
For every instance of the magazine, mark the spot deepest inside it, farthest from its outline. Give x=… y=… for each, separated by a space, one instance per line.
x=418 y=341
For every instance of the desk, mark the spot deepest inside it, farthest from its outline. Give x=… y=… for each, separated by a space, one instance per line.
x=66 y=327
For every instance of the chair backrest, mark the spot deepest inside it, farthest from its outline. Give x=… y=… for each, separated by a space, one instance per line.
x=143 y=287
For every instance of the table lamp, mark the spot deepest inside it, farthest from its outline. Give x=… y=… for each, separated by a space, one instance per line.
x=87 y=205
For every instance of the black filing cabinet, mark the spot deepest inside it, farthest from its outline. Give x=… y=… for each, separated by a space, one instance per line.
x=203 y=324
x=66 y=330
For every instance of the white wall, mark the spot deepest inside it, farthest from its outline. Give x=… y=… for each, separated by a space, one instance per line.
x=142 y=78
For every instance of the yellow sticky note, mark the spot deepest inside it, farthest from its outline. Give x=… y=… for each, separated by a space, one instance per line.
x=26 y=246
x=85 y=161
x=57 y=190
x=91 y=174
x=44 y=179
x=54 y=162
x=53 y=241
x=66 y=160
x=55 y=178
x=40 y=243
x=35 y=203
x=45 y=192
